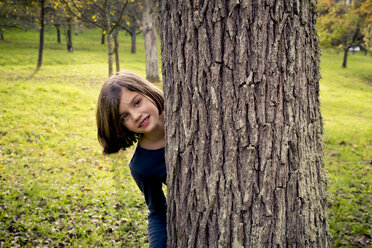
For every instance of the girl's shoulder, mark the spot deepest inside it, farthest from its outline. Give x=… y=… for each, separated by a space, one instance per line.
x=145 y=156
x=147 y=163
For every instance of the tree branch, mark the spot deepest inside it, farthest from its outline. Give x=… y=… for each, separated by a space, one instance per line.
x=120 y=16
x=82 y=16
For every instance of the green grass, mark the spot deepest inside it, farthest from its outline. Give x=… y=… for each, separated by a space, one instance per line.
x=57 y=189
x=346 y=103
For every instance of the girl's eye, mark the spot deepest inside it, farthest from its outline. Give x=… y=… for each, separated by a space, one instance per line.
x=138 y=102
x=124 y=117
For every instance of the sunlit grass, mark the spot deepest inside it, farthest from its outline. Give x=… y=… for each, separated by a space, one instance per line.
x=57 y=189
x=346 y=97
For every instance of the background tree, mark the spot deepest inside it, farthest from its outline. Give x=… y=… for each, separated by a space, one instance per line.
x=244 y=129
x=61 y=18
x=105 y=14
x=132 y=21
x=33 y=15
x=342 y=25
x=116 y=49
x=366 y=14
x=103 y=35
x=150 y=38
x=41 y=42
x=21 y=14
x=46 y=12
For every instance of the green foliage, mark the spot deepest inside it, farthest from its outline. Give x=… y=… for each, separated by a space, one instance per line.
x=104 y=14
x=57 y=189
x=339 y=25
x=366 y=13
x=22 y=14
x=132 y=18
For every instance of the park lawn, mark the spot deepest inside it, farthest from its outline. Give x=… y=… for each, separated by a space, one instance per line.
x=346 y=104
x=57 y=189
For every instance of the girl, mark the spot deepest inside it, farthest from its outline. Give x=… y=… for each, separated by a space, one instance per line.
x=130 y=109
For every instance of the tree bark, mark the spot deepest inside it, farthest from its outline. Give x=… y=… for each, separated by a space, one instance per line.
x=102 y=39
x=344 y=61
x=110 y=53
x=69 y=36
x=243 y=124
x=151 y=45
x=133 y=39
x=116 y=49
x=58 y=33
x=41 y=43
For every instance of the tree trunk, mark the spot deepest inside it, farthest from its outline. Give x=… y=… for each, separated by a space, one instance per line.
x=110 y=50
x=102 y=39
x=344 y=62
x=69 y=36
x=76 y=28
x=243 y=125
x=41 y=43
x=116 y=49
x=151 y=46
x=58 y=33
x=133 y=36
x=1 y=34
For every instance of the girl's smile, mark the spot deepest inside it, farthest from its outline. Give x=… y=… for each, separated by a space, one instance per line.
x=145 y=122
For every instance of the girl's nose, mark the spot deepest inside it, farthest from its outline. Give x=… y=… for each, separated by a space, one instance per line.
x=136 y=116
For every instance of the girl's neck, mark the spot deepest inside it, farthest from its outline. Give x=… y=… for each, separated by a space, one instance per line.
x=155 y=139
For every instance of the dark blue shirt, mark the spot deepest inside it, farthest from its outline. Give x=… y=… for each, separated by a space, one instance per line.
x=149 y=171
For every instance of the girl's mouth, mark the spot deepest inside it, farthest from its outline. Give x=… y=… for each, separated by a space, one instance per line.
x=145 y=122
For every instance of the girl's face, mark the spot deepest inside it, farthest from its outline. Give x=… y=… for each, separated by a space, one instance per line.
x=138 y=113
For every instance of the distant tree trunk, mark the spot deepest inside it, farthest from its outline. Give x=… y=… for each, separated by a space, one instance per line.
x=116 y=49
x=102 y=39
x=365 y=51
x=76 y=28
x=110 y=48
x=58 y=33
x=344 y=62
x=151 y=46
x=110 y=53
x=1 y=34
x=41 y=43
x=69 y=36
x=243 y=124
x=133 y=36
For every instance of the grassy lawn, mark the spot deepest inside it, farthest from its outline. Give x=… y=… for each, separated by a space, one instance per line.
x=57 y=189
x=346 y=98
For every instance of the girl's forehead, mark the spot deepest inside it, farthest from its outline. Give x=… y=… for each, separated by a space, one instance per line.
x=127 y=95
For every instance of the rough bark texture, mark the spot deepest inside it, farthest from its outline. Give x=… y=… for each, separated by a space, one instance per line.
x=151 y=45
x=243 y=124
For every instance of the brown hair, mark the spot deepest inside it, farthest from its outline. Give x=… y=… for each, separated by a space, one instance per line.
x=111 y=132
